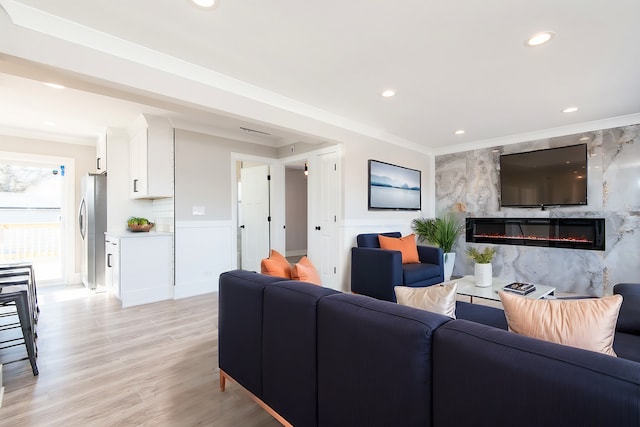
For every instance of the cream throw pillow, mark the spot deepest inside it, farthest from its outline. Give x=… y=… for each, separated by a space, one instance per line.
x=584 y=323
x=439 y=299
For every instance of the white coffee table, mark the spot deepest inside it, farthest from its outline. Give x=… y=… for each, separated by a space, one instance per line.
x=467 y=286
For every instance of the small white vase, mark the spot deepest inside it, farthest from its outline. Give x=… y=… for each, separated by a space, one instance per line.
x=449 y=261
x=484 y=275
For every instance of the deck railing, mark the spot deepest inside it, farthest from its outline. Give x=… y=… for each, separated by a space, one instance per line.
x=38 y=243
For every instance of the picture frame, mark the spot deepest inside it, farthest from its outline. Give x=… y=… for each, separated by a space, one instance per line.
x=393 y=187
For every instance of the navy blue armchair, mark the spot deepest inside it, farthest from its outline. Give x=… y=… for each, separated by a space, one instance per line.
x=375 y=271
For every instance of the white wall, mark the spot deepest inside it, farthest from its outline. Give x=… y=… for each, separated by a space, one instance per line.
x=357 y=218
x=203 y=179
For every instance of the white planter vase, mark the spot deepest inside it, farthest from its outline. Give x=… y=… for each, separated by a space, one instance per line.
x=449 y=261
x=484 y=275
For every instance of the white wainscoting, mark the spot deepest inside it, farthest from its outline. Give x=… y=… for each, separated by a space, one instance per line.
x=203 y=252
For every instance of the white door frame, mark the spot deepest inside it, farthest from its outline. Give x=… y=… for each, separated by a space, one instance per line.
x=312 y=157
x=69 y=229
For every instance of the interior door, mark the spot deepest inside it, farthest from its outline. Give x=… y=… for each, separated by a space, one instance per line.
x=254 y=216
x=325 y=240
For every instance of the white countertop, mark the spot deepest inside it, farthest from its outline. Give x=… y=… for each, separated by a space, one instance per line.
x=129 y=234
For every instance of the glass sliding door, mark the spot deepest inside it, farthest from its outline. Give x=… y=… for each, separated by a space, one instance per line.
x=31 y=212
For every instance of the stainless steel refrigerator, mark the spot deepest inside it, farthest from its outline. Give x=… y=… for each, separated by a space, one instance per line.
x=92 y=221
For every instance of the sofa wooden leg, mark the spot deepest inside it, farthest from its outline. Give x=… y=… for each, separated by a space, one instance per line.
x=223 y=381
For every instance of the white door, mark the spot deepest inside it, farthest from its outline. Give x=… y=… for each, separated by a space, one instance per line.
x=323 y=239
x=254 y=216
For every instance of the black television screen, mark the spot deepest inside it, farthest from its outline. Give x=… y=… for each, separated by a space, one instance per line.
x=550 y=177
x=393 y=187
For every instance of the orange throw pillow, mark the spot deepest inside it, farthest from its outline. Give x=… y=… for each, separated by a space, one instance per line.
x=276 y=265
x=305 y=271
x=406 y=245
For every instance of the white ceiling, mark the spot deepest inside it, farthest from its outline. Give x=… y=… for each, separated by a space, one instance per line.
x=454 y=65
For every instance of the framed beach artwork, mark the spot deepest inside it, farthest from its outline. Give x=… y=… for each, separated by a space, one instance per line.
x=394 y=187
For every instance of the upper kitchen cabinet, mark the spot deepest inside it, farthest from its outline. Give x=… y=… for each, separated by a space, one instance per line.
x=151 y=162
x=101 y=154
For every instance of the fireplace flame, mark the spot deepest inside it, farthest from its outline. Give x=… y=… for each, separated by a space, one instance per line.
x=533 y=237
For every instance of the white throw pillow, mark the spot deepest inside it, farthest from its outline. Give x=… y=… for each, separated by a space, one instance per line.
x=585 y=323
x=439 y=299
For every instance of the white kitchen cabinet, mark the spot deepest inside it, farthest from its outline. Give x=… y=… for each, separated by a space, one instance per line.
x=151 y=161
x=112 y=264
x=141 y=267
x=101 y=154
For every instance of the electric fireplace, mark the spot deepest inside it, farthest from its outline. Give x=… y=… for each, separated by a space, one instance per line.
x=569 y=233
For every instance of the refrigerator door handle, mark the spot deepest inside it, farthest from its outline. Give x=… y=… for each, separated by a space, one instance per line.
x=82 y=212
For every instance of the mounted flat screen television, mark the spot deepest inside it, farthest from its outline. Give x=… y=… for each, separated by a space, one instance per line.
x=549 y=177
x=394 y=187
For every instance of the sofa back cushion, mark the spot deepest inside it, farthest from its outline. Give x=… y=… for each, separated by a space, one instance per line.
x=629 y=317
x=370 y=240
x=240 y=326
x=289 y=350
x=505 y=379
x=374 y=362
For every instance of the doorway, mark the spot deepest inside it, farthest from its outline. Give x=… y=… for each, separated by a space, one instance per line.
x=296 y=210
x=33 y=208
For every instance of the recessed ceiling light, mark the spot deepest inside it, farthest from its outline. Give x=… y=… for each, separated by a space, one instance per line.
x=53 y=85
x=389 y=93
x=49 y=123
x=459 y=132
x=570 y=110
x=205 y=3
x=540 y=38
x=585 y=138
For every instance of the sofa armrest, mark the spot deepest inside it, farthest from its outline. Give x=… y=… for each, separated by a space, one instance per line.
x=374 y=272
x=629 y=317
x=431 y=255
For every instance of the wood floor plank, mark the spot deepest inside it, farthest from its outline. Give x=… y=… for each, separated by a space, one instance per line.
x=101 y=365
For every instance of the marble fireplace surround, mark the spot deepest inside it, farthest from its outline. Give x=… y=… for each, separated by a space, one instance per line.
x=568 y=233
x=468 y=184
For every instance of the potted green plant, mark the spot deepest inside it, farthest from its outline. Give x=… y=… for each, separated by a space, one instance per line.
x=441 y=232
x=483 y=270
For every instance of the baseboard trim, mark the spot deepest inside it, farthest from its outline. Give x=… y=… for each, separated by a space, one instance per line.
x=224 y=377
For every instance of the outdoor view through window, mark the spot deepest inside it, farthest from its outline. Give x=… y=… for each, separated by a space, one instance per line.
x=30 y=217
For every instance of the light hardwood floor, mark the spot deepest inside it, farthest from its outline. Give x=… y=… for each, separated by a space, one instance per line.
x=101 y=365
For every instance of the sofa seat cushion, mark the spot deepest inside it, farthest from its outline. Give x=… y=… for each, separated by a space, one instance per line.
x=627 y=346
x=416 y=273
x=482 y=314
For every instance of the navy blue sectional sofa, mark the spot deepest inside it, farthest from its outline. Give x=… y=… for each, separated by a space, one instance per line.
x=313 y=356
